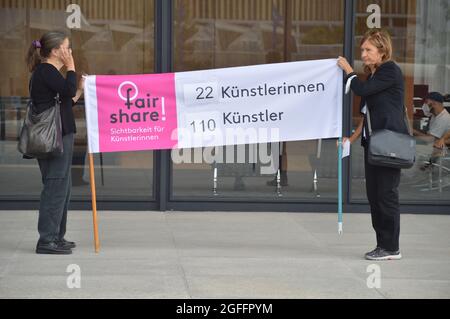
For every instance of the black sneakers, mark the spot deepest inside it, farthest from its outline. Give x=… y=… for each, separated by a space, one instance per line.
x=383 y=254
x=52 y=248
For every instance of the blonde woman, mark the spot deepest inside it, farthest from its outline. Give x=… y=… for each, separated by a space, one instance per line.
x=383 y=94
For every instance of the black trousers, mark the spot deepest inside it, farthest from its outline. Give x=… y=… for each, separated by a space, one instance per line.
x=382 y=192
x=55 y=195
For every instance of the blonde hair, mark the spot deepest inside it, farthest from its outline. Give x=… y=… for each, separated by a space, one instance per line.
x=382 y=41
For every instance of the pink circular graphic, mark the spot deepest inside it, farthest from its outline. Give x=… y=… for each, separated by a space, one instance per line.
x=133 y=85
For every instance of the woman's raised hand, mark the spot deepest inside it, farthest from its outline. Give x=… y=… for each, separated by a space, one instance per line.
x=344 y=65
x=67 y=59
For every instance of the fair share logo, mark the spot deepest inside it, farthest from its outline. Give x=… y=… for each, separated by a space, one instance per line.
x=128 y=92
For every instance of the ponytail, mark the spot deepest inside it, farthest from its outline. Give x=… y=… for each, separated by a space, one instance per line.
x=33 y=58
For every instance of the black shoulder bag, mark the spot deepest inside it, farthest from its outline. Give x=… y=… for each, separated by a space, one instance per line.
x=391 y=149
x=41 y=133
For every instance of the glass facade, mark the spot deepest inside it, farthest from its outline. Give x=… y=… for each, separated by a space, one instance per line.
x=120 y=37
x=421 y=46
x=112 y=37
x=217 y=34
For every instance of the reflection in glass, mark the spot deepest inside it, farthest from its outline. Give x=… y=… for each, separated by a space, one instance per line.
x=220 y=33
x=115 y=37
x=421 y=40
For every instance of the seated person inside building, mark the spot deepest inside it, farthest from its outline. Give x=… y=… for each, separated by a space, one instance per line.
x=433 y=108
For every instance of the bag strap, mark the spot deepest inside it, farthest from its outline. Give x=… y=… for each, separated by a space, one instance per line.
x=30 y=84
x=369 y=125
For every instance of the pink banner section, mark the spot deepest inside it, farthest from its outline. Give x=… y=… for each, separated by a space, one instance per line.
x=136 y=112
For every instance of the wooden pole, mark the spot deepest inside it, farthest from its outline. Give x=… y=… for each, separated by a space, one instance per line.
x=94 y=202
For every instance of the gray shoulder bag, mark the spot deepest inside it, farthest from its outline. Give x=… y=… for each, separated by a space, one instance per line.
x=41 y=133
x=391 y=149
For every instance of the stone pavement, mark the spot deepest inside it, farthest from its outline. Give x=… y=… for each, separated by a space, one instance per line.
x=224 y=255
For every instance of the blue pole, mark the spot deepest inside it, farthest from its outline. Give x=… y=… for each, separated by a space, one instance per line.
x=340 y=186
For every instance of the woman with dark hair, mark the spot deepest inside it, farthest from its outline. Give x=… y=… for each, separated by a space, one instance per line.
x=45 y=59
x=383 y=95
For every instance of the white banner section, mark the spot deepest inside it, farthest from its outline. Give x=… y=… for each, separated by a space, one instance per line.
x=259 y=104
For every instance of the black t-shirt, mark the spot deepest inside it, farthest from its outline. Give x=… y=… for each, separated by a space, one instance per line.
x=47 y=81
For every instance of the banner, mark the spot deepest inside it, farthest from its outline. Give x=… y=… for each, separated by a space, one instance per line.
x=238 y=105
